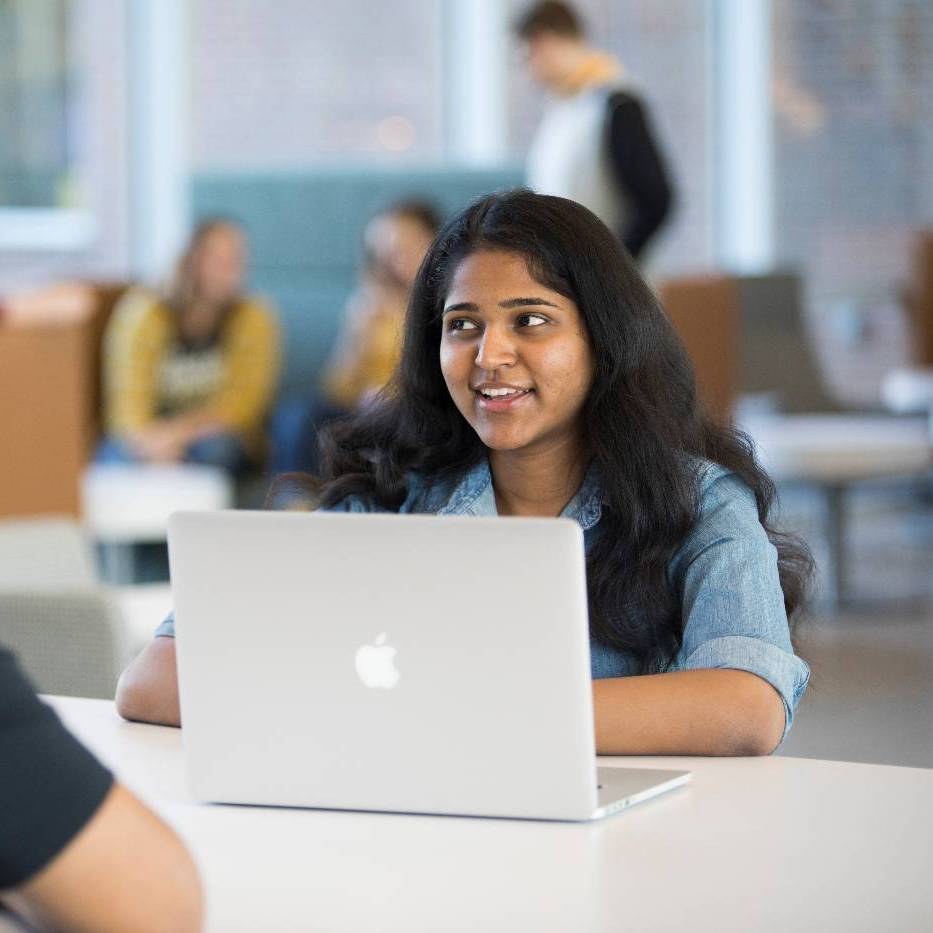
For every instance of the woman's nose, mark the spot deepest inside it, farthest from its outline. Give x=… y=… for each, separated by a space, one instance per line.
x=495 y=349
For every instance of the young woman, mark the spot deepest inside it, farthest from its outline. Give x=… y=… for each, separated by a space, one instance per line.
x=539 y=376
x=189 y=377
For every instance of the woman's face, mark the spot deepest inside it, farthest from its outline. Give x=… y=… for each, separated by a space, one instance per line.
x=220 y=264
x=515 y=355
x=398 y=243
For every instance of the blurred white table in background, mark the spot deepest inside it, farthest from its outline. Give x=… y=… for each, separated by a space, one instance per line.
x=831 y=453
x=909 y=390
x=750 y=844
x=128 y=504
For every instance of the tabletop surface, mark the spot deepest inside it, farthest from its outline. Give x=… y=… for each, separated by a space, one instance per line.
x=751 y=844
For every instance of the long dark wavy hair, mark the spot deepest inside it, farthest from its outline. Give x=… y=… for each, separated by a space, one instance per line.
x=645 y=431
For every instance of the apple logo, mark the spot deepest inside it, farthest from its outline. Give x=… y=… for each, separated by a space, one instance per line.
x=375 y=664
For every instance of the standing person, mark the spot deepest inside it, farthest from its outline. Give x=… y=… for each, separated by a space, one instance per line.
x=190 y=376
x=539 y=376
x=595 y=143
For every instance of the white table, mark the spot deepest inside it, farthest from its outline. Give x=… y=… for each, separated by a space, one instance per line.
x=123 y=504
x=752 y=844
x=909 y=389
x=831 y=453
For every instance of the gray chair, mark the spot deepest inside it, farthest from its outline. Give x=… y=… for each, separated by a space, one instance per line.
x=808 y=438
x=44 y=554
x=776 y=355
x=68 y=634
x=70 y=643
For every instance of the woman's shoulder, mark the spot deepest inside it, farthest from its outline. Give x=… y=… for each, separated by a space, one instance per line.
x=140 y=300
x=727 y=510
x=717 y=484
x=254 y=308
x=139 y=309
x=727 y=525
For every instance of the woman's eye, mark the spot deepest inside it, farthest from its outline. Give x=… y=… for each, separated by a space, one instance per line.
x=461 y=323
x=531 y=320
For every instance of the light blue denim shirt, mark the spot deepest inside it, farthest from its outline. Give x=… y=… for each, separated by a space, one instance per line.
x=733 y=608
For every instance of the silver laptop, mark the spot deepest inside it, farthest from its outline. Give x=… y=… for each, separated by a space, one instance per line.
x=409 y=663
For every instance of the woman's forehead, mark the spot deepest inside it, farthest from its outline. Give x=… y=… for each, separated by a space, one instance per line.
x=493 y=271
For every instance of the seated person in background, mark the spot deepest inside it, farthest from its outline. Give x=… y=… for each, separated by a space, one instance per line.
x=540 y=376
x=190 y=377
x=77 y=850
x=369 y=344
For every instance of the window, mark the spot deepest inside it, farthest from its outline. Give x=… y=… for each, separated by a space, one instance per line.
x=40 y=190
x=293 y=82
x=853 y=169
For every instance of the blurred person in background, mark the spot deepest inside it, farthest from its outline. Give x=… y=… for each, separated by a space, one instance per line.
x=595 y=143
x=77 y=850
x=369 y=344
x=189 y=377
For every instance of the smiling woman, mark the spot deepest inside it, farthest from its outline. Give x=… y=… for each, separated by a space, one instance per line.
x=539 y=376
x=518 y=364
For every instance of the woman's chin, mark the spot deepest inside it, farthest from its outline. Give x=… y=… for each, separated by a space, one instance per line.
x=501 y=441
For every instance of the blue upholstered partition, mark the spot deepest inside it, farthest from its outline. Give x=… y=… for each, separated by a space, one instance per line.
x=305 y=230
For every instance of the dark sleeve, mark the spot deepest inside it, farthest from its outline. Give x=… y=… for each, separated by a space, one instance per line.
x=639 y=170
x=50 y=784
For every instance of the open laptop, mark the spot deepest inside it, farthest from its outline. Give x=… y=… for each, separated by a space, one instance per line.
x=401 y=663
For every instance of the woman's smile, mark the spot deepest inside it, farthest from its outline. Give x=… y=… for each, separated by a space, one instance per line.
x=493 y=397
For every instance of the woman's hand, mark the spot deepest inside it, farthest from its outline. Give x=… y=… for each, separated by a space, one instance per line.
x=167 y=440
x=160 y=442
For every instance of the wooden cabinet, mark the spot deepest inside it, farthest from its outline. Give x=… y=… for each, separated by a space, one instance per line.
x=49 y=410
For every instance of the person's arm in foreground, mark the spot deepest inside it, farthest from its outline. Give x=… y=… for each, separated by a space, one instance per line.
x=697 y=712
x=124 y=871
x=148 y=688
x=703 y=712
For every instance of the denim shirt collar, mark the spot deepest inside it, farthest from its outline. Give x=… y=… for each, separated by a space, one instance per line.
x=474 y=495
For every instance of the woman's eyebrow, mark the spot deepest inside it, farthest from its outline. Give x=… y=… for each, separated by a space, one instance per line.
x=525 y=302
x=461 y=306
x=509 y=303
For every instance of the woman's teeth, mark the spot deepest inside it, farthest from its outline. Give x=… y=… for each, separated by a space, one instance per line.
x=500 y=393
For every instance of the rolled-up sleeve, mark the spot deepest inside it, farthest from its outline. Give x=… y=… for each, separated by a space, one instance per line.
x=166 y=628
x=733 y=606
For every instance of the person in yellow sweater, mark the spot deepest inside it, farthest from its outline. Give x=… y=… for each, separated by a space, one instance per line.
x=189 y=376
x=369 y=344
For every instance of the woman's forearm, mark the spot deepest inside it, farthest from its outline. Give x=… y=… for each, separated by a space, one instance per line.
x=696 y=712
x=148 y=689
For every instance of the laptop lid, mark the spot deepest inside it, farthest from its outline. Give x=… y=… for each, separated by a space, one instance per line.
x=383 y=662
